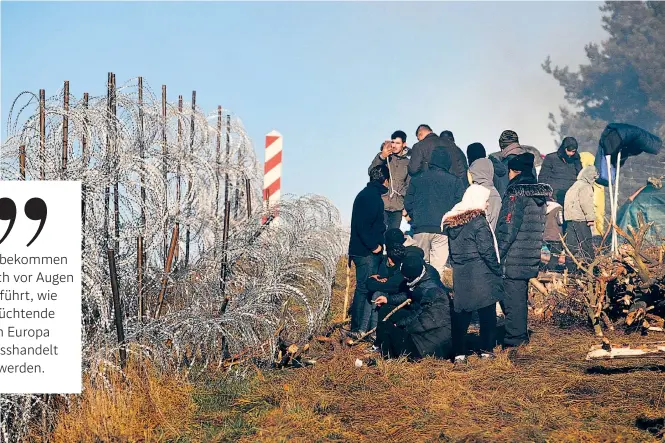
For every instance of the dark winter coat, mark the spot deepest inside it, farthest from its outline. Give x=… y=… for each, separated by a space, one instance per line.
x=459 y=162
x=396 y=289
x=429 y=324
x=367 y=225
x=502 y=157
x=521 y=224
x=477 y=274
x=560 y=172
x=500 y=178
x=432 y=194
x=421 y=156
x=398 y=166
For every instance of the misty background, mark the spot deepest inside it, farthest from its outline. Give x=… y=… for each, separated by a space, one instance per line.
x=338 y=78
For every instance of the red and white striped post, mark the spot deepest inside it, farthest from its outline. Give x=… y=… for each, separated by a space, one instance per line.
x=272 y=174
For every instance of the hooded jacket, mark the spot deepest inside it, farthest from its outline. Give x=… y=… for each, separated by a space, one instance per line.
x=579 y=198
x=398 y=166
x=429 y=325
x=367 y=224
x=395 y=288
x=553 y=222
x=433 y=193
x=482 y=173
x=520 y=228
x=502 y=157
x=560 y=172
x=477 y=274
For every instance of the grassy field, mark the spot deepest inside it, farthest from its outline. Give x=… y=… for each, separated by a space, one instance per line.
x=544 y=392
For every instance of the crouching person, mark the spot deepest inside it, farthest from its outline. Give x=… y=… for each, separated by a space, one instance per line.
x=477 y=274
x=426 y=331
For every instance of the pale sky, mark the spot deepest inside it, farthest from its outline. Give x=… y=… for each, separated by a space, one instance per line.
x=335 y=78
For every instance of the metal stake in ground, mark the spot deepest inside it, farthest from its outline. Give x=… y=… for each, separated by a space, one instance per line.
x=42 y=134
x=117 y=309
x=65 y=126
x=21 y=161
x=140 y=253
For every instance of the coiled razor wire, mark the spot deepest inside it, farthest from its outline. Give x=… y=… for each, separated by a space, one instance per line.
x=290 y=263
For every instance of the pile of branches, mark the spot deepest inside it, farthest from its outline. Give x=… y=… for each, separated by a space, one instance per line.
x=622 y=290
x=226 y=299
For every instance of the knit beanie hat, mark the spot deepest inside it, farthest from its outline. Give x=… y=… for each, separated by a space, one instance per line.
x=412 y=267
x=569 y=143
x=475 y=151
x=522 y=162
x=507 y=138
x=415 y=250
x=394 y=236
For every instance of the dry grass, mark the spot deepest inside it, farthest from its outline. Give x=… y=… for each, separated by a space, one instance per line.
x=146 y=406
x=545 y=392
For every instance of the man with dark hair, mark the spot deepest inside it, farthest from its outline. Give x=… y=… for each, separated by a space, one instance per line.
x=422 y=151
x=561 y=168
x=519 y=236
x=459 y=162
x=395 y=155
x=366 y=243
x=510 y=146
x=430 y=195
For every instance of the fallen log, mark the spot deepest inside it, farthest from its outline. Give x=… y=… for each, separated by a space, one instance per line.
x=607 y=351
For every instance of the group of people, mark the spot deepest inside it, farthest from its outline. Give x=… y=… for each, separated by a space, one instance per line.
x=485 y=217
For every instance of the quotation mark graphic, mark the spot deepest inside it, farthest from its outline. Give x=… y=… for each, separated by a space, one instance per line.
x=35 y=209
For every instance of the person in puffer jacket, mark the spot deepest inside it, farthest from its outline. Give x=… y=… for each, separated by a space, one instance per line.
x=520 y=237
x=477 y=275
x=560 y=169
x=427 y=330
x=579 y=214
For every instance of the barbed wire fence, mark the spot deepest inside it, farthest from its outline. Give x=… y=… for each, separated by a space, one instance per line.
x=171 y=216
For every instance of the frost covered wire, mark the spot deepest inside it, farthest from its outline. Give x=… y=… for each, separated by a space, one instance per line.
x=291 y=264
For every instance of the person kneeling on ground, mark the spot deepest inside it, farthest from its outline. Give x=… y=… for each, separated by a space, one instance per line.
x=427 y=330
x=390 y=288
x=477 y=275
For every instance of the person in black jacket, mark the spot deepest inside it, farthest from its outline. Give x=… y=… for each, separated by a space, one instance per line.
x=477 y=275
x=520 y=238
x=457 y=157
x=430 y=195
x=366 y=243
x=426 y=331
x=510 y=146
x=560 y=169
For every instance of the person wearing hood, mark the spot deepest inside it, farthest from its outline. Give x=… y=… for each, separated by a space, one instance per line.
x=519 y=235
x=395 y=155
x=560 y=169
x=389 y=286
x=426 y=330
x=552 y=236
x=509 y=143
x=477 y=275
x=430 y=195
x=477 y=151
x=366 y=243
x=579 y=214
x=459 y=164
x=482 y=173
